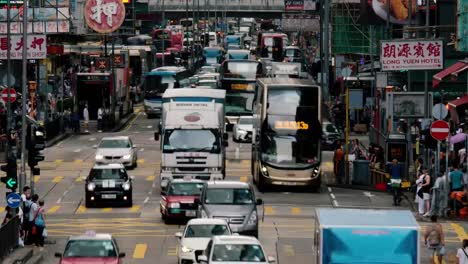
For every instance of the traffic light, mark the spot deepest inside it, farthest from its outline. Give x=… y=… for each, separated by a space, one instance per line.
x=37 y=141
x=11 y=178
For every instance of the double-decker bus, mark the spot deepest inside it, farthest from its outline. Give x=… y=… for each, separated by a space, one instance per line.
x=165 y=38
x=271 y=45
x=238 y=78
x=157 y=81
x=287 y=133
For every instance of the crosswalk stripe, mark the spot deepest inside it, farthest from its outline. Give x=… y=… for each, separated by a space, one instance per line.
x=172 y=251
x=79 y=161
x=108 y=209
x=37 y=178
x=57 y=179
x=269 y=210
x=81 y=209
x=289 y=250
x=296 y=210
x=79 y=179
x=58 y=161
x=53 y=209
x=140 y=251
x=245 y=162
x=150 y=178
x=141 y=161
x=134 y=208
x=244 y=179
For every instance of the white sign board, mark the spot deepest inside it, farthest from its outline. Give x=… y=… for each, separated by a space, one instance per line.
x=412 y=54
x=37 y=47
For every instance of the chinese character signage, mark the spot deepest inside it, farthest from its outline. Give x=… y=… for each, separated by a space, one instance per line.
x=104 y=16
x=411 y=55
x=462 y=25
x=37 y=47
x=102 y=63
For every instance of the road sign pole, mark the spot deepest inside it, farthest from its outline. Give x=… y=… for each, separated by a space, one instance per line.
x=22 y=177
x=437 y=159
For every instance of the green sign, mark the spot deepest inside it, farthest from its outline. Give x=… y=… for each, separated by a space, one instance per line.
x=462 y=25
x=11 y=183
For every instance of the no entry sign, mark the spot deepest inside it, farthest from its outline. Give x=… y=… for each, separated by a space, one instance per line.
x=440 y=130
x=12 y=95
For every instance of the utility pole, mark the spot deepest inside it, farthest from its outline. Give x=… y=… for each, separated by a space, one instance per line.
x=24 y=83
x=326 y=41
x=8 y=85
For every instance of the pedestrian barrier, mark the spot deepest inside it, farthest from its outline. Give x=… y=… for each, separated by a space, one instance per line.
x=379 y=178
x=9 y=236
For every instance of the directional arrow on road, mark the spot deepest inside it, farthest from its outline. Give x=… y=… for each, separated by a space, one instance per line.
x=11 y=183
x=368 y=194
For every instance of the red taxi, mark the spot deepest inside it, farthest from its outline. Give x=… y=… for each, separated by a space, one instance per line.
x=178 y=199
x=91 y=248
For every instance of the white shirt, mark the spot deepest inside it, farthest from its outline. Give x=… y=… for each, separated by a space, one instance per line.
x=86 y=114
x=100 y=113
x=462 y=258
x=33 y=211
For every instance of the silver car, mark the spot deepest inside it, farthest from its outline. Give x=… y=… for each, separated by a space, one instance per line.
x=117 y=150
x=233 y=201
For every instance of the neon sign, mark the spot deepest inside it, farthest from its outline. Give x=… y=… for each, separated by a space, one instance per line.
x=292 y=125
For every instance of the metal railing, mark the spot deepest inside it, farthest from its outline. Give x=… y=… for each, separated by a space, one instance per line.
x=236 y=5
x=9 y=236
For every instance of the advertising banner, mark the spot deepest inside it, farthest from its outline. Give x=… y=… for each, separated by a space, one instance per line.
x=44 y=14
x=49 y=27
x=37 y=47
x=397 y=55
x=462 y=25
x=293 y=5
x=377 y=12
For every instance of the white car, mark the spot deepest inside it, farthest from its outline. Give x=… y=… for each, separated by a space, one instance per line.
x=234 y=249
x=242 y=131
x=196 y=235
x=117 y=150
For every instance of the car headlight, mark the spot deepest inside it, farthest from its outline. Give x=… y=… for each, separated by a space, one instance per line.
x=173 y=205
x=126 y=157
x=315 y=172
x=99 y=157
x=186 y=249
x=253 y=218
x=126 y=186
x=204 y=214
x=264 y=170
x=91 y=186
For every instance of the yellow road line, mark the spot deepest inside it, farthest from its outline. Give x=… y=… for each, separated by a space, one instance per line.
x=150 y=178
x=37 y=178
x=295 y=210
x=57 y=179
x=79 y=179
x=134 y=208
x=460 y=231
x=269 y=210
x=245 y=162
x=58 y=161
x=81 y=209
x=141 y=161
x=108 y=209
x=244 y=179
x=140 y=251
x=79 y=161
x=53 y=209
x=2 y=209
x=130 y=124
x=289 y=250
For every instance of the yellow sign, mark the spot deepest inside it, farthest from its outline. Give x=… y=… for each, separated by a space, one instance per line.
x=292 y=125
x=125 y=1
x=239 y=86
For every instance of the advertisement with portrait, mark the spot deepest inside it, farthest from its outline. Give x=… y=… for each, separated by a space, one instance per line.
x=377 y=12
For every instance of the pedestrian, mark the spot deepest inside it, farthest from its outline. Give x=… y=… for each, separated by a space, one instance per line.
x=456 y=180
x=40 y=226
x=434 y=239
x=419 y=196
x=395 y=180
x=462 y=253
x=86 y=118
x=8 y=215
x=338 y=158
x=439 y=196
x=426 y=192
x=100 y=114
x=67 y=119
x=32 y=215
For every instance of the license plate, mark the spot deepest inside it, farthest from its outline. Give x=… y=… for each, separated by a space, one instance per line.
x=109 y=196
x=191 y=213
x=290 y=183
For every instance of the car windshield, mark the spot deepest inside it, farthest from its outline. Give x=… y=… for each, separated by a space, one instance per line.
x=207 y=230
x=189 y=140
x=229 y=196
x=90 y=249
x=114 y=143
x=236 y=252
x=108 y=174
x=239 y=103
x=185 y=189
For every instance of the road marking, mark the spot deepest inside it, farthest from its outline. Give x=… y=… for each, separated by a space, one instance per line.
x=172 y=251
x=142 y=149
x=149 y=127
x=130 y=124
x=269 y=210
x=57 y=179
x=106 y=210
x=329 y=189
x=335 y=203
x=81 y=209
x=77 y=150
x=368 y=194
x=2 y=209
x=332 y=196
x=141 y=161
x=140 y=251
x=245 y=162
x=289 y=250
x=78 y=161
x=37 y=178
x=53 y=209
x=150 y=178
x=295 y=210
x=146 y=200
x=79 y=179
x=134 y=208
x=58 y=161
x=244 y=179
x=92 y=139
x=460 y=231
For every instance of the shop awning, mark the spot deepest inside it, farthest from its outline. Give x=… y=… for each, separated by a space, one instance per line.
x=457 y=102
x=455 y=68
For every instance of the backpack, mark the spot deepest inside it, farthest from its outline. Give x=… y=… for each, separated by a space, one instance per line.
x=26 y=209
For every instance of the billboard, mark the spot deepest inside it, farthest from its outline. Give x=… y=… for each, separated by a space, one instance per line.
x=377 y=12
x=293 y=5
x=37 y=47
x=414 y=54
x=462 y=25
x=406 y=104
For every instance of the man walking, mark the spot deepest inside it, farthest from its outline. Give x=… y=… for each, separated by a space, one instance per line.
x=395 y=181
x=32 y=214
x=86 y=118
x=100 y=114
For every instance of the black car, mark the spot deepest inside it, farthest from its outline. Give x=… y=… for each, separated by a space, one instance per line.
x=331 y=136
x=108 y=184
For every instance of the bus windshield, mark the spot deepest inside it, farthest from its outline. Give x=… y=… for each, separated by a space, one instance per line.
x=239 y=103
x=155 y=85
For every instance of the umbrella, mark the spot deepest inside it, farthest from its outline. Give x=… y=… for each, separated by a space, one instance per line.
x=460 y=137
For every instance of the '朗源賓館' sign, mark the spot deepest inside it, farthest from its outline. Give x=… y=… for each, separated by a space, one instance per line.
x=36 y=44
x=400 y=55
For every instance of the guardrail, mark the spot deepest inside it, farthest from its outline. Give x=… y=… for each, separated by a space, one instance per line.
x=9 y=236
x=379 y=178
x=228 y=6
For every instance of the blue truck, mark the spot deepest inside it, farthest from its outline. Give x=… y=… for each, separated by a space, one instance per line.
x=364 y=236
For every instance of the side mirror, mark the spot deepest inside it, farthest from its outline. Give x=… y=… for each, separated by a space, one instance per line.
x=259 y=201
x=202 y=258
x=178 y=235
x=122 y=255
x=134 y=146
x=156 y=136
x=225 y=136
x=271 y=259
x=58 y=255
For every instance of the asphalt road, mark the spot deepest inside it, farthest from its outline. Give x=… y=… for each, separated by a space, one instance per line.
x=287 y=216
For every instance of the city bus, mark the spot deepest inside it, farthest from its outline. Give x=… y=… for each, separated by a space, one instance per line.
x=165 y=38
x=271 y=45
x=238 y=78
x=157 y=81
x=286 y=133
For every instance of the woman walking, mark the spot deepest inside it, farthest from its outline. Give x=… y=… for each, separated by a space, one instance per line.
x=462 y=253
x=426 y=192
x=39 y=224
